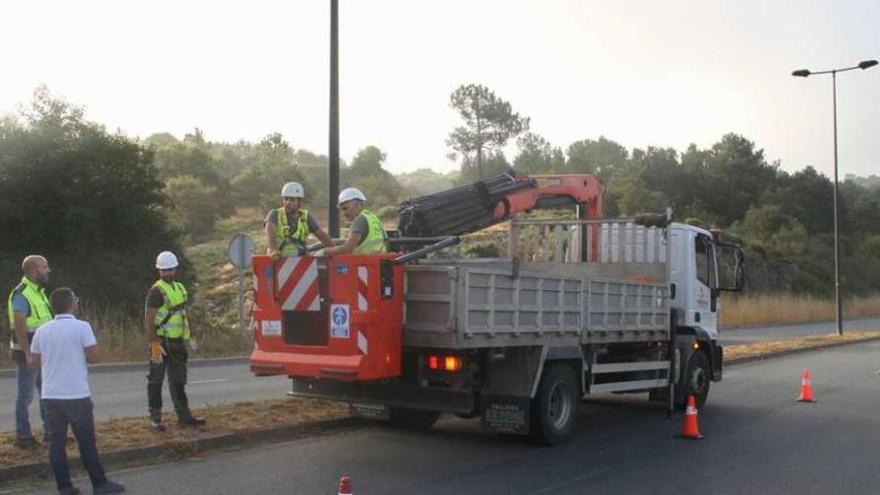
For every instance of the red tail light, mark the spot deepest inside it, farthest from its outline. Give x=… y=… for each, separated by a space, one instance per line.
x=444 y=363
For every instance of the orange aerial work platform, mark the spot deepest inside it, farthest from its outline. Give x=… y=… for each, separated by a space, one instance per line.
x=337 y=317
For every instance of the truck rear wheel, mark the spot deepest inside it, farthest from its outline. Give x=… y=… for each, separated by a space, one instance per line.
x=413 y=418
x=554 y=408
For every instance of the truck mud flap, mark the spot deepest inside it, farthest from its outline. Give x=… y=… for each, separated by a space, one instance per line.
x=717 y=360
x=506 y=414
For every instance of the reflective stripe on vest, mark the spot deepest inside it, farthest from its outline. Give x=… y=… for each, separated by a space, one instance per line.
x=376 y=240
x=291 y=244
x=177 y=325
x=41 y=312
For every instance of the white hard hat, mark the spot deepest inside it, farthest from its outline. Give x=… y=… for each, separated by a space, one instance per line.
x=351 y=193
x=166 y=260
x=293 y=190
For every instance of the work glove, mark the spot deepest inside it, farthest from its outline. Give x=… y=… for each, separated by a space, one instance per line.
x=156 y=352
x=193 y=345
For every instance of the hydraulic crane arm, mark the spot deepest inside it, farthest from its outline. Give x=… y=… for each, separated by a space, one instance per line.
x=583 y=191
x=479 y=205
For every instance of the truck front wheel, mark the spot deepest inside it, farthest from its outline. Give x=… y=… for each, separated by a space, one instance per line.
x=554 y=408
x=698 y=379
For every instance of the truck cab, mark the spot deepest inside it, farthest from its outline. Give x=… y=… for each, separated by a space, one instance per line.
x=695 y=281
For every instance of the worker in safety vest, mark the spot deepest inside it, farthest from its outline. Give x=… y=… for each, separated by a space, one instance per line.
x=288 y=227
x=167 y=328
x=366 y=235
x=27 y=308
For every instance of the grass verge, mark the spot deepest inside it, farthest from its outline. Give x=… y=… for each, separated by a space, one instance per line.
x=742 y=352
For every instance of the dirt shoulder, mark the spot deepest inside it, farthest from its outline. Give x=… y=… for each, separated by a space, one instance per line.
x=225 y=419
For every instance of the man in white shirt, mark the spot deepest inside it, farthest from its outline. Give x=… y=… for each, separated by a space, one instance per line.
x=62 y=347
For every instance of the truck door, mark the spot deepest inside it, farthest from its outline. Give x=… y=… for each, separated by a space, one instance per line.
x=705 y=294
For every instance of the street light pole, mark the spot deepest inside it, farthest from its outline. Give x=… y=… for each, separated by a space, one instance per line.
x=838 y=311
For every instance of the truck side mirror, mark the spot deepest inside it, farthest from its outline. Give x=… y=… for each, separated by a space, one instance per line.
x=731 y=263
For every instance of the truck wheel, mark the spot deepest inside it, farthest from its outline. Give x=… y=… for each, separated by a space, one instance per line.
x=413 y=418
x=698 y=379
x=554 y=408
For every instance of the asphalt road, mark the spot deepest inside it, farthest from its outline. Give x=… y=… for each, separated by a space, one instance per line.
x=758 y=440
x=783 y=332
x=121 y=390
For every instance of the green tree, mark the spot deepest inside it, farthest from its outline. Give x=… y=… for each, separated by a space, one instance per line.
x=366 y=173
x=271 y=165
x=88 y=200
x=537 y=156
x=424 y=181
x=601 y=157
x=495 y=164
x=192 y=158
x=367 y=161
x=194 y=203
x=807 y=196
x=736 y=177
x=489 y=122
x=768 y=226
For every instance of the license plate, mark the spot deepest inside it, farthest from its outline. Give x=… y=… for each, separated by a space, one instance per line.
x=507 y=414
x=371 y=411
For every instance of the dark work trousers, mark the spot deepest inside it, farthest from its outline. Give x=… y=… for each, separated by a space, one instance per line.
x=78 y=414
x=174 y=364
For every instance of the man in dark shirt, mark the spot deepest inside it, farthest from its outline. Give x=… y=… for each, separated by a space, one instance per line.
x=288 y=227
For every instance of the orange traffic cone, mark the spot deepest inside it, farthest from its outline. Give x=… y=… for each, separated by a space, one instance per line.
x=345 y=485
x=806 y=387
x=690 y=431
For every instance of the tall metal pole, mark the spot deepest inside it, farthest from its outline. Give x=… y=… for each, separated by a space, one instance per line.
x=838 y=310
x=333 y=153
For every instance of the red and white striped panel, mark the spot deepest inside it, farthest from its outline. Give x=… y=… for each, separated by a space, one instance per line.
x=298 y=284
x=362 y=288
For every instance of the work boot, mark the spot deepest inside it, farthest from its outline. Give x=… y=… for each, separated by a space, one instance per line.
x=109 y=487
x=156 y=420
x=192 y=421
x=26 y=443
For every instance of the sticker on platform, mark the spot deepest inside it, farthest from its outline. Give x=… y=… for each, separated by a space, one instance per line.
x=342 y=268
x=271 y=328
x=339 y=321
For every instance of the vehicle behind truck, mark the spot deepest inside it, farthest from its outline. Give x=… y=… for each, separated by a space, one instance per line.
x=577 y=307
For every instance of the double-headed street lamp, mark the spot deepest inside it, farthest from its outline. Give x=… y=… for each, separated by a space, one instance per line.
x=805 y=73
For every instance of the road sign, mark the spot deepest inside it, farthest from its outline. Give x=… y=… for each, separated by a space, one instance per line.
x=241 y=250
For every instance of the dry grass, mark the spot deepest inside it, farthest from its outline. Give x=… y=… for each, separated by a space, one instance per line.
x=741 y=351
x=120 y=433
x=768 y=309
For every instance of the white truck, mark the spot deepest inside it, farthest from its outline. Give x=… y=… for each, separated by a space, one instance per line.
x=577 y=307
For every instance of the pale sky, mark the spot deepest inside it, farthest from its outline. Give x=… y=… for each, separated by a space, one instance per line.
x=641 y=72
